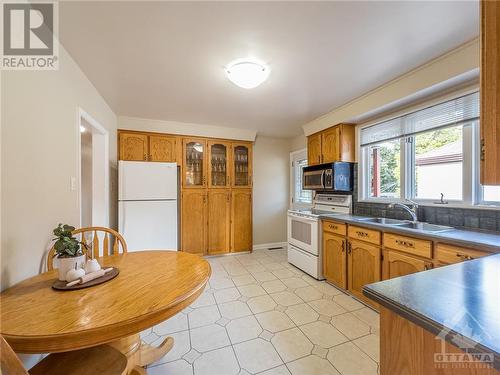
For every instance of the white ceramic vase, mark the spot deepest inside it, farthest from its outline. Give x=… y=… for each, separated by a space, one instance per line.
x=68 y=263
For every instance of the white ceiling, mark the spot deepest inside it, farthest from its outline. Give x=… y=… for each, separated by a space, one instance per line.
x=164 y=60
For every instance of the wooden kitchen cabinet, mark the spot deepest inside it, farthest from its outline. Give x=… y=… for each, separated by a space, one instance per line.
x=133 y=146
x=314 y=149
x=363 y=266
x=449 y=254
x=397 y=264
x=136 y=146
x=219 y=164
x=335 y=259
x=219 y=221
x=241 y=159
x=194 y=221
x=490 y=92
x=194 y=169
x=162 y=148
x=331 y=145
x=241 y=220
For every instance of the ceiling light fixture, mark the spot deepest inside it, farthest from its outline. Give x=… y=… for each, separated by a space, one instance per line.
x=247 y=73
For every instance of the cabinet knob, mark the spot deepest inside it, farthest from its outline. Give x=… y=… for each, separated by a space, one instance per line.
x=145 y=157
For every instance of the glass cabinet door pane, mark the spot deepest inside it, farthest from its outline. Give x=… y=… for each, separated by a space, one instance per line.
x=194 y=164
x=218 y=164
x=241 y=166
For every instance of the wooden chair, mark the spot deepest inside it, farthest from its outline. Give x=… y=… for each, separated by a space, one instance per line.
x=102 y=359
x=94 y=241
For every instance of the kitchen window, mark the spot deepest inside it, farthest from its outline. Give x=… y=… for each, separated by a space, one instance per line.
x=299 y=198
x=428 y=156
x=385 y=167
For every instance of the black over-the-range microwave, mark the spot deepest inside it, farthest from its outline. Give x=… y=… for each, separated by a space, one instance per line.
x=336 y=176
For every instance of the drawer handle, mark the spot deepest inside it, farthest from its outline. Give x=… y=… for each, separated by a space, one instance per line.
x=464 y=257
x=343 y=246
x=405 y=243
x=331 y=226
x=361 y=234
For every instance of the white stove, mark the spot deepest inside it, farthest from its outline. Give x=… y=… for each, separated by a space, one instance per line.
x=304 y=234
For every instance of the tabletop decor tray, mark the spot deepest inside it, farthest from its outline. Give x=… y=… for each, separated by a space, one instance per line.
x=61 y=285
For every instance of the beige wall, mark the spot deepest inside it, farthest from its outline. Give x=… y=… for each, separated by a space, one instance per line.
x=39 y=147
x=184 y=128
x=298 y=143
x=271 y=189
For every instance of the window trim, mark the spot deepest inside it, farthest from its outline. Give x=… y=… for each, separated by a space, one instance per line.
x=294 y=155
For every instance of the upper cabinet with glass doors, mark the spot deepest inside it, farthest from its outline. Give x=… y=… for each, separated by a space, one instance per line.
x=195 y=166
x=242 y=165
x=218 y=164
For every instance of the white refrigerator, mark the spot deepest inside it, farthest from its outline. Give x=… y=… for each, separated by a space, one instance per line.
x=147 y=205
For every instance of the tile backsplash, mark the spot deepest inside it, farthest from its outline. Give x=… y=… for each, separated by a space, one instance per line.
x=455 y=217
x=466 y=218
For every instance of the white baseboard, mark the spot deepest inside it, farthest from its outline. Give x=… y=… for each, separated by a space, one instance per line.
x=265 y=246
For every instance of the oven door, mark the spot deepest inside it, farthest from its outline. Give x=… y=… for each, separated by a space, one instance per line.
x=303 y=232
x=313 y=180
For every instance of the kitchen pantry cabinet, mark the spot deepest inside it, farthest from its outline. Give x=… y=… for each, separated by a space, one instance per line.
x=194 y=168
x=219 y=221
x=162 y=148
x=194 y=221
x=241 y=165
x=241 y=220
x=332 y=144
x=147 y=147
x=133 y=147
x=216 y=182
x=219 y=170
x=490 y=92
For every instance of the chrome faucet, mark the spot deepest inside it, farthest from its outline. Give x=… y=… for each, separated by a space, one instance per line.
x=412 y=211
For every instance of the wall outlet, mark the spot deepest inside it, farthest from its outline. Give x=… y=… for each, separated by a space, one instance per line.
x=72 y=183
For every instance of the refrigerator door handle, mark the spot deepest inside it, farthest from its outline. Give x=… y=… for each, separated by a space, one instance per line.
x=122 y=219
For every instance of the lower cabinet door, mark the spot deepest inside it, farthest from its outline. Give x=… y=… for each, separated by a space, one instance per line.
x=335 y=259
x=194 y=221
x=364 y=266
x=396 y=264
x=241 y=220
x=219 y=221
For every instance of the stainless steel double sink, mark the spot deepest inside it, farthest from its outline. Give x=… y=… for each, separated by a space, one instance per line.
x=424 y=227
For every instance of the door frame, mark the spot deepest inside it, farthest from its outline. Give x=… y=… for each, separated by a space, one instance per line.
x=100 y=168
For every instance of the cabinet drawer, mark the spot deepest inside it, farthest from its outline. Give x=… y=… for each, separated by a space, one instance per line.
x=333 y=227
x=363 y=234
x=449 y=254
x=408 y=245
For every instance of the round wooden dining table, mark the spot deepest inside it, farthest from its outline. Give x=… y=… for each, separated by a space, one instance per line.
x=151 y=287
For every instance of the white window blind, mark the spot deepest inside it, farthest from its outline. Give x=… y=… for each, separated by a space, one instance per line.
x=451 y=113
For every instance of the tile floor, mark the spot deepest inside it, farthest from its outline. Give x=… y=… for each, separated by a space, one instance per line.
x=261 y=315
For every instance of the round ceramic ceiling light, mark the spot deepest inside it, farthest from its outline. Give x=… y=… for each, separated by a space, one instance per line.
x=247 y=73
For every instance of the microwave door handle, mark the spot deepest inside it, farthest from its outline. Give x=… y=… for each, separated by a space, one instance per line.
x=323 y=179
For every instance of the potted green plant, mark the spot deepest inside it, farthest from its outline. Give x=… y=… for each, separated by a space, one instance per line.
x=68 y=250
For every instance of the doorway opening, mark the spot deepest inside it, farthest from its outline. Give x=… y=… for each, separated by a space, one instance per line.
x=94 y=172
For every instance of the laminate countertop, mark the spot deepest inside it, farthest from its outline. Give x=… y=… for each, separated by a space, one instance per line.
x=483 y=240
x=460 y=302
